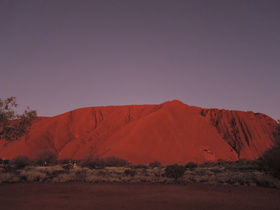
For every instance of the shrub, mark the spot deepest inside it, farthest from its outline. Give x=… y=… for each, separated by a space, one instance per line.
x=115 y=161
x=21 y=161
x=9 y=178
x=245 y=162
x=88 y=164
x=92 y=162
x=67 y=167
x=130 y=172
x=46 y=157
x=191 y=166
x=80 y=175
x=155 y=164
x=140 y=166
x=217 y=170
x=267 y=181
x=208 y=164
x=32 y=176
x=202 y=172
x=52 y=171
x=65 y=161
x=270 y=160
x=64 y=178
x=8 y=168
x=6 y=161
x=175 y=171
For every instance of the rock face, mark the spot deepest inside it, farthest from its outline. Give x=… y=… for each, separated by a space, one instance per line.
x=171 y=132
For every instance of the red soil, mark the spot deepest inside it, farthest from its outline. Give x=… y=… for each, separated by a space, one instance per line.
x=171 y=132
x=141 y=196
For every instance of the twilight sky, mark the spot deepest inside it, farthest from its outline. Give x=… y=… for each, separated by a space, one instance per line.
x=59 y=55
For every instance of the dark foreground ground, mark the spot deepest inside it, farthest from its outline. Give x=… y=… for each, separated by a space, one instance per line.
x=135 y=196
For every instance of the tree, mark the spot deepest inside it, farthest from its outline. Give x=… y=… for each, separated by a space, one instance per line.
x=270 y=160
x=175 y=171
x=276 y=134
x=21 y=161
x=46 y=157
x=13 y=125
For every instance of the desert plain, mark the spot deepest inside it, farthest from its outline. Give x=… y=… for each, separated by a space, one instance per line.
x=69 y=196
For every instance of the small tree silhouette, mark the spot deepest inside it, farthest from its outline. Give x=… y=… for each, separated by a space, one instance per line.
x=21 y=161
x=175 y=171
x=270 y=160
x=46 y=157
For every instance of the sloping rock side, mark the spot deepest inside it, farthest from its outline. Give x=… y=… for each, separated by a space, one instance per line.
x=172 y=132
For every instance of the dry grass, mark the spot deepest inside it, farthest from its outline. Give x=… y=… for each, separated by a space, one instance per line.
x=206 y=174
x=9 y=178
x=32 y=176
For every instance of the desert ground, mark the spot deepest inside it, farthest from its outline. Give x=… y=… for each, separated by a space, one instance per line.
x=135 y=196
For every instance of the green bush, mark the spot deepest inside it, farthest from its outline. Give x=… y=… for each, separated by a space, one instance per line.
x=21 y=161
x=175 y=171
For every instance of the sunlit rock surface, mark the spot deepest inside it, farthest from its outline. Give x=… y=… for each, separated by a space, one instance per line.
x=172 y=132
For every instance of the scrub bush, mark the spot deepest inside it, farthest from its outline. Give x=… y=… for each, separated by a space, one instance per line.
x=270 y=160
x=46 y=157
x=115 y=161
x=191 y=166
x=130 y=172
x=21 y=161
x=155 y=164
x=175 y=171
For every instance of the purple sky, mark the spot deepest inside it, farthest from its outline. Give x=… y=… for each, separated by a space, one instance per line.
x=59 y=55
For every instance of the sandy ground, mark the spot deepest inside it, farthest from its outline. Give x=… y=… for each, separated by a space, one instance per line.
x=135 y=196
